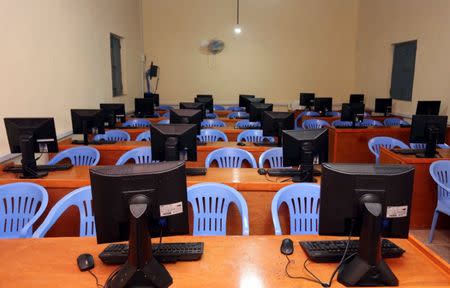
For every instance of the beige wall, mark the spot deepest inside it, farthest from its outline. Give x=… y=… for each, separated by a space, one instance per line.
x=54 y=55
x=286 y=46
x=385 y=22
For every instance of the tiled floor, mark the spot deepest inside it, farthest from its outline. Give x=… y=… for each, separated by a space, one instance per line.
x=440 y=244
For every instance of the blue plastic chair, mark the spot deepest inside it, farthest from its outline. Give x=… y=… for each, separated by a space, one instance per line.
x=165 y=107
x=19 y=208
x=440 y=171
x=113 y=135
x=166 y=115
x=303 y=201
x=144 y=136
x=81 y=198
x=230 y=158
x=304 y=113
x=390 y=122
x=78 y=156
x=235 y=108
x=210 y=203
x=370 y=123
x=254 y=135
x=136 y=123
x=238 y=115
x=274 y=156
x=333 y=114
x=219 y=108
x=340 y=123
x=245 y=124
x=140 y=155
x=212 y=135
x=212 y=123
x=376 y=143
x=315 y=124
x=165 y=121
x=211 y=116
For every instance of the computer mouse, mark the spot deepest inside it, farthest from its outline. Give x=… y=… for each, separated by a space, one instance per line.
x=287 y=246
x=85 y=262
x=262 y=171
x=241 y=144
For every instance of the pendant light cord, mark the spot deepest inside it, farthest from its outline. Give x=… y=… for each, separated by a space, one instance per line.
x=237 y=13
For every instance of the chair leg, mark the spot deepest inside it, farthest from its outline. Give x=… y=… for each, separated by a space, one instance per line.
x=433 y=226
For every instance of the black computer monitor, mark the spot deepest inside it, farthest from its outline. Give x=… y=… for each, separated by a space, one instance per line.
x=253 y=100
x=29 y=136
x=383 y=105
x=243 y=99
x=353 y=112
x=301 y=147
x=194 y=105
x=174 y=142
x=257 y=109
x=87 y=121
x=366 y=200
x=428 y=129
x=135 y=202
x=187 y=116
x=144 y=107
x=307 y=100
x=323 y=105
x=273 y=123
x=114 y=112
x=428 y=107
x=207 y=100
x=356 y=98
x=153 y=96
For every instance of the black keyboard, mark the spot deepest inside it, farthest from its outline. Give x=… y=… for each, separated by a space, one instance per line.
x=332 y=251
x=408 y=151
x=40 y=168
x=116 y=254
x=196 y=171
x=100 y=142
x=287 y=172
x=265 y=144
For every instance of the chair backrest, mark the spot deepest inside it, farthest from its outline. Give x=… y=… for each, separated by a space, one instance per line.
x=230 y=158
x=340 y=123
x=418 y=145
x=166 y=115
x=376 y=143
x=144 y=136
x=315 y=124
x=219 y=108
x=389 y=122
x=371 y=123
x=78 y=156
x=254 y=135
x=165 y=121
x=165 y=107
x=245 y=124
x=240 y=115
x=210 y=203
x=235 y=108
x=113 y=135
x=274 y=156
x=303 y=201
x=213 y=123
x=211 y=116
x=333 y=113
x=440 y=172
x=140 y=155
x=212 y=135
x=304 y=113
x=137 y=123
x=21 y=205
x=82 y=199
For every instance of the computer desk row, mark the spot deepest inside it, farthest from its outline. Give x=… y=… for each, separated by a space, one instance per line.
x=244 y=261
x=229 y=122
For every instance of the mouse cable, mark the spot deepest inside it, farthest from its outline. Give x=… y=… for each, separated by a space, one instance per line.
x=286 y=270
x=96 y=279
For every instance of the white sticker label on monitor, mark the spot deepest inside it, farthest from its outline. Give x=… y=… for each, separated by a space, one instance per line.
x=396 y=211
x=171 y=209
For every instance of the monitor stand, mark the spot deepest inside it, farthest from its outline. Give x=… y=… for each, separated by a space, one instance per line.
x=141 y=269
x=171 y=152
x=29 y=167
x=306 y=172
x=367 y=268
x=430 y=148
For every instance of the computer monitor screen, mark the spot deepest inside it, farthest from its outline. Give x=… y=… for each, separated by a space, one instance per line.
x=383 y=105
x=154 y=96
x=257 y=109
x=207 y=100
x=187 y=116
x=423 y=127
x=87 y=121
x=144 y=107
x=323 y=104
x=293 y=141
x=114 y=112
x=192 y=105
x=243 y=99
x=428 y=107
x=307 y=99
x=253 y=100
x=350 y=112
x=356 y=98
x=273 y=123
x=174 y=142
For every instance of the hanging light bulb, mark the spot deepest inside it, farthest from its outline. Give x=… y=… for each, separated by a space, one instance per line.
x=237 y=28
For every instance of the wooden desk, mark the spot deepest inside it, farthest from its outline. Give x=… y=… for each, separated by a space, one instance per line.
x=220 y=113
x=257 y=190
x=425 y=190
x=330 y=120
x=110 y=153
x=351 y=145
x=253 y=261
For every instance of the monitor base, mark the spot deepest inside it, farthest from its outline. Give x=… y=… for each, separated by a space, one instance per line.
x=36 y=175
